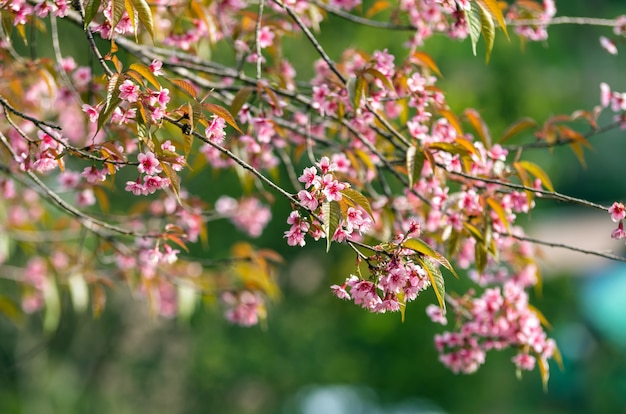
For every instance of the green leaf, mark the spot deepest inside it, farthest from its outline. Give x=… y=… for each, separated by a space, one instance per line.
x=421 y=246
x=145 y=15
x=331 y=214
x=474 y=24
x=91 y=9
x=488 y=29
x=112 y=99
x=414 y=163
x=240 y=99
x=357 y=199
x=356 y=88
x=436 y=281
x=480 y=256
x=117 y=11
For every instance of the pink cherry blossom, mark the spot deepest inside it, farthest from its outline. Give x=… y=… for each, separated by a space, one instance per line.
x=129 y=91
x=148 y=163
x=617 y=211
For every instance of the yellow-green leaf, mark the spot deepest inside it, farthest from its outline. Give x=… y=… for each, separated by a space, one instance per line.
x=436 y=281
x=240 y=99
x=497 y=208
x=185 y=86
x=117 y=11
x=379 y=75
x=539 y=173
x=145 y=15
x=427 y=61
x=91 y=9
x=358 y=199
x=518 y=127
x=495 y=11
x=147 y=74
x=479 y=125
x=414 y=163
x=223 y=113
x=331 y=215
x=421 y=246
x=544 y=370
x=474 y=24
x=488 y=29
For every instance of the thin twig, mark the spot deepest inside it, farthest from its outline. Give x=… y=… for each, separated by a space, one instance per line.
x=585 y=21
x=567 y=247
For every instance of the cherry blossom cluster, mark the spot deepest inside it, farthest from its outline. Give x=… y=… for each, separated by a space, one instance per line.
x=247 y=214
x=244 y=308
x=500 y=318
x=395 y=279
x=322 y=188
x=536 y=32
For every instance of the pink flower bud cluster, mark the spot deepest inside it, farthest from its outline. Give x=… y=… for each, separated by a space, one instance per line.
x=322 y=188
x=498 y=319
x=395 y=279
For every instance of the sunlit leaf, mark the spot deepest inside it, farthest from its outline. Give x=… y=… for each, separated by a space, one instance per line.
x=497 y=208
x=223 y=113
x=414 y=163
x=377 y=7
x=421 y=246
x=540 y=316
x=544 y=370
x=488 y=29
x=436 y=281
x=358 y=199
x=494 y=9
x=536 y=170
x=145 y=15
x=185 y=86
x=117 y=11
x=174 y=180
x=479 y=125
x=378 y=75
x=331 y=215
x=518 y=127
x=427 y=61
x=145 y=71
x=579 y=152
x=474 y=24
x=453 y=120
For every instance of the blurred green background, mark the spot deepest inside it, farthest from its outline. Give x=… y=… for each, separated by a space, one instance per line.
x=321 y=355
